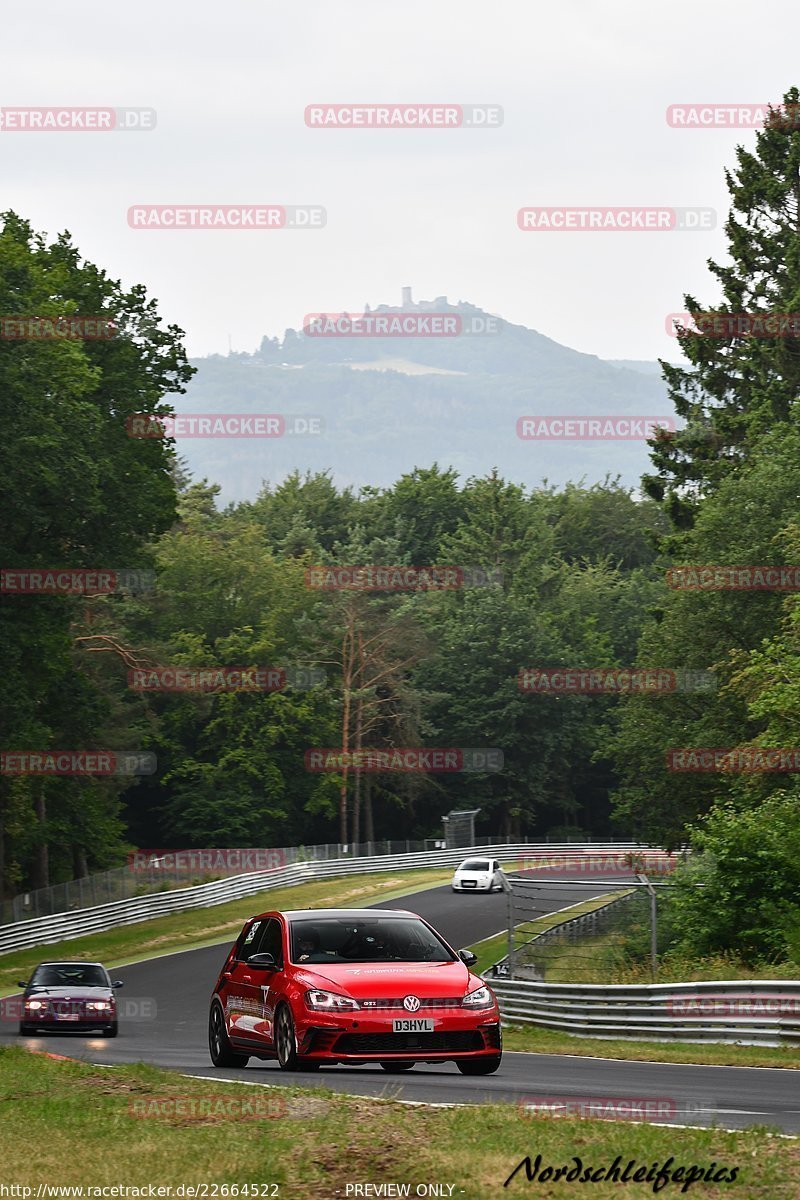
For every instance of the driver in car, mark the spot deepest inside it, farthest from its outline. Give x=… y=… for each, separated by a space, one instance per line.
x=308 y=947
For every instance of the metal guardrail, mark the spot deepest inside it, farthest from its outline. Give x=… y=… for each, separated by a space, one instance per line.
x=40 y=931
x=120 y=883
x=749 y=1012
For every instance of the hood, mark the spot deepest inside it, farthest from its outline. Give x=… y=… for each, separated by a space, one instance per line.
x=388 y=981
x=78 y=992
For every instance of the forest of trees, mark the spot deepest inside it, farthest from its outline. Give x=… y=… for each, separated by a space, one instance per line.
x=581 y=582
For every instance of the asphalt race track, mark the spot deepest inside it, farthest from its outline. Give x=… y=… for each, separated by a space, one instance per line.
x=178 y=988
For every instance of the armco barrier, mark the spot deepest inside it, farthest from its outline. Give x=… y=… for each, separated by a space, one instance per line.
x=42 y=931
x=750 y=1012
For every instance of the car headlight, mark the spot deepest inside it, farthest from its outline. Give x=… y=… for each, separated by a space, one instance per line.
x=480 y=998
x=33 y=1005
x=329 y=1001
x=98 y=1005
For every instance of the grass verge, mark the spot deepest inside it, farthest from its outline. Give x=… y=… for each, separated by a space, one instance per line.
x=209 y=926
x=70 y=1123
x=551 y=1041
x=610 y=958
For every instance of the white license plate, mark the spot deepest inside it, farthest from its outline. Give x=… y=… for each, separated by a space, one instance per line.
x=412 y=1025
x=68 y=1016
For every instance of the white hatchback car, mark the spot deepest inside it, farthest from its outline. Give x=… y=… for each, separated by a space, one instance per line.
x=478 y=875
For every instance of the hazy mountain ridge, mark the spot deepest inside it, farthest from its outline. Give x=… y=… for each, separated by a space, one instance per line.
x=382 y=421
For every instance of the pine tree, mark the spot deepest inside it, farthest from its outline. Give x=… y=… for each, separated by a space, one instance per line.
x=739 y=385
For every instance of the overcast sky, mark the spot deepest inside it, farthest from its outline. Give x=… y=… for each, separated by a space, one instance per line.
x=584 y=85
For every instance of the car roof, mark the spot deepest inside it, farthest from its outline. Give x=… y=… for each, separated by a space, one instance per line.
x=68 y=962
x=296 y=914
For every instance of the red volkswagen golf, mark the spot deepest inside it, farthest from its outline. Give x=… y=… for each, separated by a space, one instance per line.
x=316 y=987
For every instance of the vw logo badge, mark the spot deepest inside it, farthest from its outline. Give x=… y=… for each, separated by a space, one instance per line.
x=411 y=1003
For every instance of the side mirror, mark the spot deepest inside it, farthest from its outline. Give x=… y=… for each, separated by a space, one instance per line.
x=262 y=962
x=468 y=958
x=117 y=983
x=22 y=983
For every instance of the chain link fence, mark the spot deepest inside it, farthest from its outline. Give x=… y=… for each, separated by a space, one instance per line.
x=573 y=931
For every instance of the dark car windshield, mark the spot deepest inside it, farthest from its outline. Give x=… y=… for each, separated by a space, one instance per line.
x=475 y=864
x=69 y=975
x=343 y=940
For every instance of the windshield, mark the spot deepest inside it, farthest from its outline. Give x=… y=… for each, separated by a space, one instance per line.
x=475 y=865
x=69 y=975
x=391 y=939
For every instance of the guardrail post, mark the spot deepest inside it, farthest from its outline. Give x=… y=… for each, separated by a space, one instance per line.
x=653 y=926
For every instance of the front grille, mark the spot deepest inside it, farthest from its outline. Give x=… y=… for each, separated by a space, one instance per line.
x=425 y=1002
x=398 y=1043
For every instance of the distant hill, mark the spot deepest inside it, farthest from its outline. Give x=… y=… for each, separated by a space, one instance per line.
x=391 y=403
x=636 y=364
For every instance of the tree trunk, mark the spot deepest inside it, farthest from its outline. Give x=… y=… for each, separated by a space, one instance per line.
x=370 y=828
x=2 y=854
x=80 y=867
x=347 y=683
x=40 y=868
x=357 y=786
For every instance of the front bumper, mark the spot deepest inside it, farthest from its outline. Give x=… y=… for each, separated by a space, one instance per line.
x=53 y=1023
x=370 y=1038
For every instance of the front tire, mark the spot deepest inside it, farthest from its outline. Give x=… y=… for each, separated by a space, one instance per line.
x=26 y=1030
x=110 y=1031
x=285 y=1040
x=478 y=1066
x=394 y=1068
x=219 y=1046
